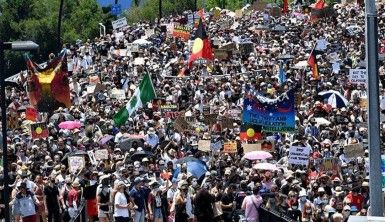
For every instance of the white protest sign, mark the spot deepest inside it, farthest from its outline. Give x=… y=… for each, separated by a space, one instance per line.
x=120 y=23
x=117 y=94
x=101 y=154
x=92 y=157
x=76 y=163
x=133 y=47
x=357 y=76
x=299 y=155
x=336 y=67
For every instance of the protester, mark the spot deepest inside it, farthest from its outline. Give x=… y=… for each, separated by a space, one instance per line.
x=152 y=135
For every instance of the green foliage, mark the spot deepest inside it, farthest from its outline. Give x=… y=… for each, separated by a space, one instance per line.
x=37 y=20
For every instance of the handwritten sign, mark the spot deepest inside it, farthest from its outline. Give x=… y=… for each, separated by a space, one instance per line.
x=182 y=32
x=230 y=147
x=299 y=155
x=91 y=155
x=76 y=163
x=181 y=124
x=354 y=150
x=357 y=76
x=12 y=120
x=204 y=145
x=101 y=154
x=118 y=94
x=133 y=47
x=120 y=23
x=246 y=48
x=265 y=145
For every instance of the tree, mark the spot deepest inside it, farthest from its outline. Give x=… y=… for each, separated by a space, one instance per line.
x=37 y=20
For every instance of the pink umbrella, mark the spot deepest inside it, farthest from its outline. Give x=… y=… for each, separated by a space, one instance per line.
x=265 y=166
x=70 y=125
x=258 y=155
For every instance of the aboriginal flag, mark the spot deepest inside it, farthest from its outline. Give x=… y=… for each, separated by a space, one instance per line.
x=202 y=47
x=312 y=62
x=48 y=88
x=250 y=132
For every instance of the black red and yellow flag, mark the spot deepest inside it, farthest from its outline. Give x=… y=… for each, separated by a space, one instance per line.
x=202 y=47
x=250 y=132
x=48 y=88
x=312 y=62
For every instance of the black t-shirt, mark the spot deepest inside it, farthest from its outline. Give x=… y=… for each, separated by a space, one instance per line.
x=52 y=194
x=227 y=199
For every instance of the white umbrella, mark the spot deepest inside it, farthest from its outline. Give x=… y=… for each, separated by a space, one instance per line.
x=322 y=121
x=141 y=42
x=301 y=64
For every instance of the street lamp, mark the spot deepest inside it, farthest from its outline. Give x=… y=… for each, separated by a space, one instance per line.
x=13 y=46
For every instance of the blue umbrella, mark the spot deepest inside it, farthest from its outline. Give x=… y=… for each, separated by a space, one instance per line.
x=334 y=98
x=196 y=168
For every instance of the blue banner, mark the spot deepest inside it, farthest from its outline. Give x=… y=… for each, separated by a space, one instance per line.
x=274 y=115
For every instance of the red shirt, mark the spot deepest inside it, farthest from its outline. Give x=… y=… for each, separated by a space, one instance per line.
x=73 y=196
x=357 y=200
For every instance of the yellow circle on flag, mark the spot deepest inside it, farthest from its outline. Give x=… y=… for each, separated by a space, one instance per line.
x=39 y=130
x=250 y=132
x=198 y=45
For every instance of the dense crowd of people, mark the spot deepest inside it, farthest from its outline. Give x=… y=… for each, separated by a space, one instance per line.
x=151 y=177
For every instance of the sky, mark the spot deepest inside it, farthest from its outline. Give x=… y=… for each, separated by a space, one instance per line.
x=125 y=3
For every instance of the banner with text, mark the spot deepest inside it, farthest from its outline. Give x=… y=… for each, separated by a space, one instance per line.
x=274 y=115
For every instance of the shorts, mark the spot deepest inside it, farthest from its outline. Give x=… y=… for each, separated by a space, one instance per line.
x=103 y=214
x=158 y=213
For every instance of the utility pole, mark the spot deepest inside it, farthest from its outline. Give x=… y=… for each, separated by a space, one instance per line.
x=59 y=25
x=160 y=11
x=371 y=40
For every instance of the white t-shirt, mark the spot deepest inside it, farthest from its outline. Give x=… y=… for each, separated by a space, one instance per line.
x=121 y=200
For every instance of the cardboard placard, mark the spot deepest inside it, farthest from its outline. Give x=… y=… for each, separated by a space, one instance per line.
x=101 y=154
x=230 y=147
x=227 y=123
x=299 y=155
x=357 y=76
x=221 y=54
x=12 y=120
x=39 y=130
x=354 y=150
x=76 y=163
x=264 y=145
x=182 y=32
x=210 y=118
x=246 y=48
x=204 y=145
x=181 y=124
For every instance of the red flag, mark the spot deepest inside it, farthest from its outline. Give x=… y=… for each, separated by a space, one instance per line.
x=312 y=62
x=285 y=6
x=31 y=114
x=320 y=4
x=201 y=48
